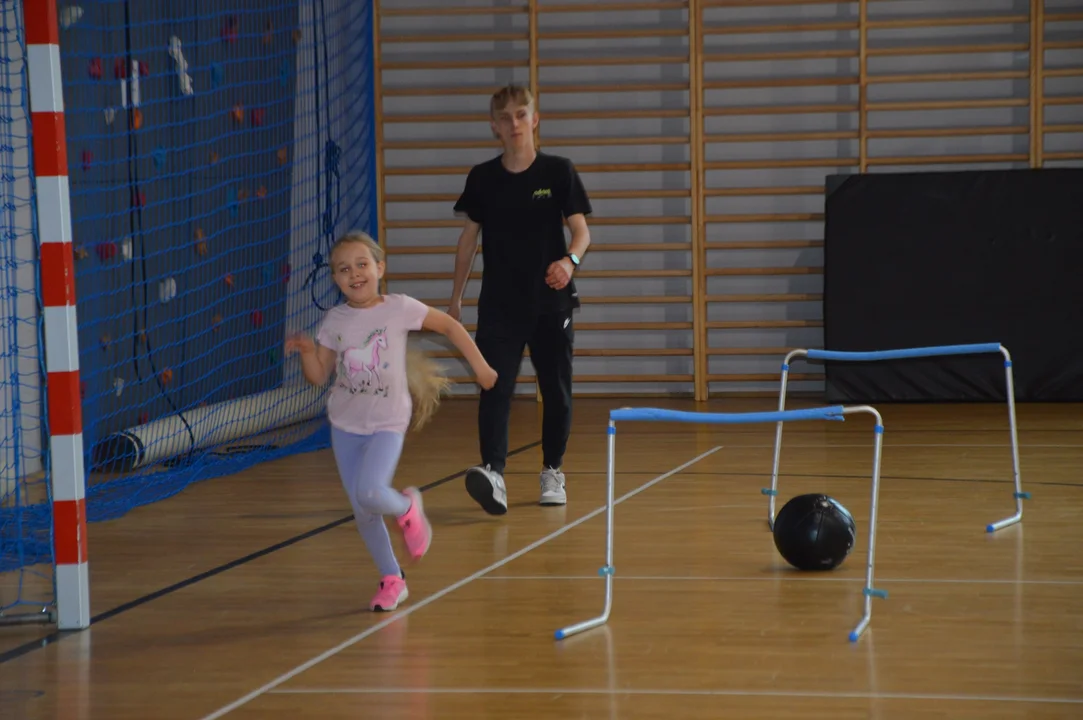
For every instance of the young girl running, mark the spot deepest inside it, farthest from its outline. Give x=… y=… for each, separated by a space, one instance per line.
x=370 y=408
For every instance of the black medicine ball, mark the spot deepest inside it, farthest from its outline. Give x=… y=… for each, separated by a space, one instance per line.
x=814 y=532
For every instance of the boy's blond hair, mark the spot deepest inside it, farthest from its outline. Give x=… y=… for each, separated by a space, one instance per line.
x=510 y=93
x=424 y=376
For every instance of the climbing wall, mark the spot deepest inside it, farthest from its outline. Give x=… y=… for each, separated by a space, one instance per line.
x=180 y=123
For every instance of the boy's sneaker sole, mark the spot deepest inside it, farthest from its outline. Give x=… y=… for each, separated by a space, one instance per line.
x=484 y=492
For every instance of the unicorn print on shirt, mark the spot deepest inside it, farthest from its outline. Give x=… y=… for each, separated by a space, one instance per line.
x=361 y=366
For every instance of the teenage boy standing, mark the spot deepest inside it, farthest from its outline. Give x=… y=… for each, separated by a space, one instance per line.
x=520 y=201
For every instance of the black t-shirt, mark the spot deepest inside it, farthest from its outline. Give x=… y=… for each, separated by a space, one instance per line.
x=522 y=234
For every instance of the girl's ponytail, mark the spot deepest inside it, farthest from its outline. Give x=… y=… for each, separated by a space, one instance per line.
x=427 y=383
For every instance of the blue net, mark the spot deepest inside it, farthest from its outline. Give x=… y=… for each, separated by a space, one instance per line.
x=26 y=580
x=216 y=150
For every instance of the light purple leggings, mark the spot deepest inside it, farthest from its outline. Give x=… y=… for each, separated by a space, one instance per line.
x=366 y=464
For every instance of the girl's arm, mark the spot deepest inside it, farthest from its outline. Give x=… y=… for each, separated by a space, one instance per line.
x=454 y=331
x=317 y=361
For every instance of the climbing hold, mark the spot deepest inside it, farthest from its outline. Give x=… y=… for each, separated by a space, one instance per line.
x=142 y=337
x=166 y=376
x=272 y=354
x=286 y=270
x=201 y=248
x=88 y=160
x=283 y=156
x=160 y=154
x=257 y=116
x=81 y=253
x=106 y=251
x=268 y=33
x=214 y=157
x=199 y=233
x=118 y=385
x=262 y=192
x=229 y=280
x=268 y=273
x=126 y=248
x=120 y=68
x=257 y=318
x=242 y=195
x=167 y=289
x=180 y=65
x=137 y=118
x=144 y=417
x=110 y=115
x=238 y=113
x=69 y=15
x=94 y=68
x=297 y=35
x=215 y=322
x=217 y=74
x=284 y=72
x=139 y=198
x=104 y=341
x=229 y=29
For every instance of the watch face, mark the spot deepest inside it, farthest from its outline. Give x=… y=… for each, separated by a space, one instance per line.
x=575 y=260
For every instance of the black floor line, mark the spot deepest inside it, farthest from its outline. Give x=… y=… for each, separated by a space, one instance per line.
x=57 y=635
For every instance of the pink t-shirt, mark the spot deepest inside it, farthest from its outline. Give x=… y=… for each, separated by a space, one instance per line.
x=370 y=392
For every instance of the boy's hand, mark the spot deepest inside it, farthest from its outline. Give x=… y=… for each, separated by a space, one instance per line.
x=300 y=343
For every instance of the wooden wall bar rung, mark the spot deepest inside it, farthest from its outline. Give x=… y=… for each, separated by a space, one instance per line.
x=1063 y=44
x=949 y=159
x=758 y=3
x=1064 y=17
x=1064 y=72
x=747 y=352
x=592 y=300
x=761 y=377
x=782 y=136
x=946 y=77
x=614 y=141
x=762 y=324
x=776 y=163
x=939 y=22
x=828 y=54
x=765 y=298
x=436 y=10
x=763 y=244
x=787 y=82
x=611 y=33
x=426 y=38
x=1064 y=128
x=597 y=194
x=616 y=87
x=645 y=113
x=824 y=108
x=486 y=64
x=780 y=271
x=738 y=29
x=1063 y=100
x=592 y=352
x=764 y=217
x=967 y=104
x=455 y=222
x=612 y=6
x=763 y=191
x=976 y=49
x=981 y=131
x=582 y=274
x=607 y=61
x=1065 y=155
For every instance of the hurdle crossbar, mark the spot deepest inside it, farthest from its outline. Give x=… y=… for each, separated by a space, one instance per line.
x=835 y=412
x=899 y=354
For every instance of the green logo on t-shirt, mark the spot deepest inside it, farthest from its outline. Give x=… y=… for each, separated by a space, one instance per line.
x=544 y=193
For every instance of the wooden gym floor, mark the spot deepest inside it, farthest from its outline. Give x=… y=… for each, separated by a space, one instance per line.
x=707 y=621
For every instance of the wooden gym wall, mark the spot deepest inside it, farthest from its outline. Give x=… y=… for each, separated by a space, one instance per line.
x=704 y=130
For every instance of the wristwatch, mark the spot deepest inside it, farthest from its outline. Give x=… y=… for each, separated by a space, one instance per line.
x=574 y=259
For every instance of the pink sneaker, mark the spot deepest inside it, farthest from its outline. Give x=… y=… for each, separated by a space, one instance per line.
x=392 y=592
x=415 y=526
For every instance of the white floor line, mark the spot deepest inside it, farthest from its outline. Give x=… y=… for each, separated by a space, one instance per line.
x=842 y=695
x=788 y=577
x=888 y=444
x=436 y=596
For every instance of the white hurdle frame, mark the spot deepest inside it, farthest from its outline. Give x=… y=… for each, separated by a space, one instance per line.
x=836 y=412
x=899 y=354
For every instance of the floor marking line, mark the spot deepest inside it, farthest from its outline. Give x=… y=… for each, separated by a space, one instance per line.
x=449 y=589
x=789 y=577
x=856 y=695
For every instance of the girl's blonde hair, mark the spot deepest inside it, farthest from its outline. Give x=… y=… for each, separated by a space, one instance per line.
x=424 y=376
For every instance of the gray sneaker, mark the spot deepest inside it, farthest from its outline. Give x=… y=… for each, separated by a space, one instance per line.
x=552 y=487
x=487 y=489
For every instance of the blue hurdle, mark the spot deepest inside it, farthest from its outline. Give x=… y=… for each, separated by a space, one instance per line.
x=898 y=354
x=836 y=413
